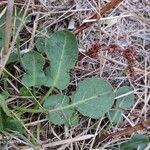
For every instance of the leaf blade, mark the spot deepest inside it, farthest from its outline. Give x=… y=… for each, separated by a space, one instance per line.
x=62 y=51
x=61 y=116
x=126 y=101
x=137 y=141
x=94 y=101
x=33 y=63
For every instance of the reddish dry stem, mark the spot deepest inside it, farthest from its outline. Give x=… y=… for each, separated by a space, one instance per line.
x=129 y=54
x=127 y=132
x=102 y=12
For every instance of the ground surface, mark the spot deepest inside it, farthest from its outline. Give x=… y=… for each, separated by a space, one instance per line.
x=116 y=47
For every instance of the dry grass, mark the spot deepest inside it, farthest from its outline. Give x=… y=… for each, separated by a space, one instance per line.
x=127 y=25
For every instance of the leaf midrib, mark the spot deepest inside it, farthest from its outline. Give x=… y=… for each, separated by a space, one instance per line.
x=60 y=64
x=34 y=74
x=77 y=103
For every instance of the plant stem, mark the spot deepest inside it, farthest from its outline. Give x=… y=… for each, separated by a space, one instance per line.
x=7 y=34
x=47 y=94
x=29 y=110
x=102 y=12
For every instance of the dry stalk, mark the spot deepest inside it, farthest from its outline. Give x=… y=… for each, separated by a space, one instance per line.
x=96 y=16
x=7 y=34
x=127 y=132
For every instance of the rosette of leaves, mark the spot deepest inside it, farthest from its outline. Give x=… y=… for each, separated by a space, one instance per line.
x=93 y=98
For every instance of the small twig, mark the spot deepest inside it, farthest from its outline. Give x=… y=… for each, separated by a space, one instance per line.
x=8 y=28
x=96 y=16
x=127 y=132
x=16 y=1
x=66 y=141
x=7 y=34
x=35 y=24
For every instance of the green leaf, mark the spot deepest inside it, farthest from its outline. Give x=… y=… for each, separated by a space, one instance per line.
x=33 y=63
x=1 y=41
x=115 y=116
x=42 y=41
x=94 y=97
x=14 y=125
x=3 y=104
x=126 y=101
x=74 y=120
x=3 y=118
x=26 y=140
x=5 y=94
x=24 y=92
x=41 y=44
x=56 y=79
x=6 y=121
x=62 y=51
x=137 y=141
x=15 y=55
x=62 y=116
x=12 y=58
